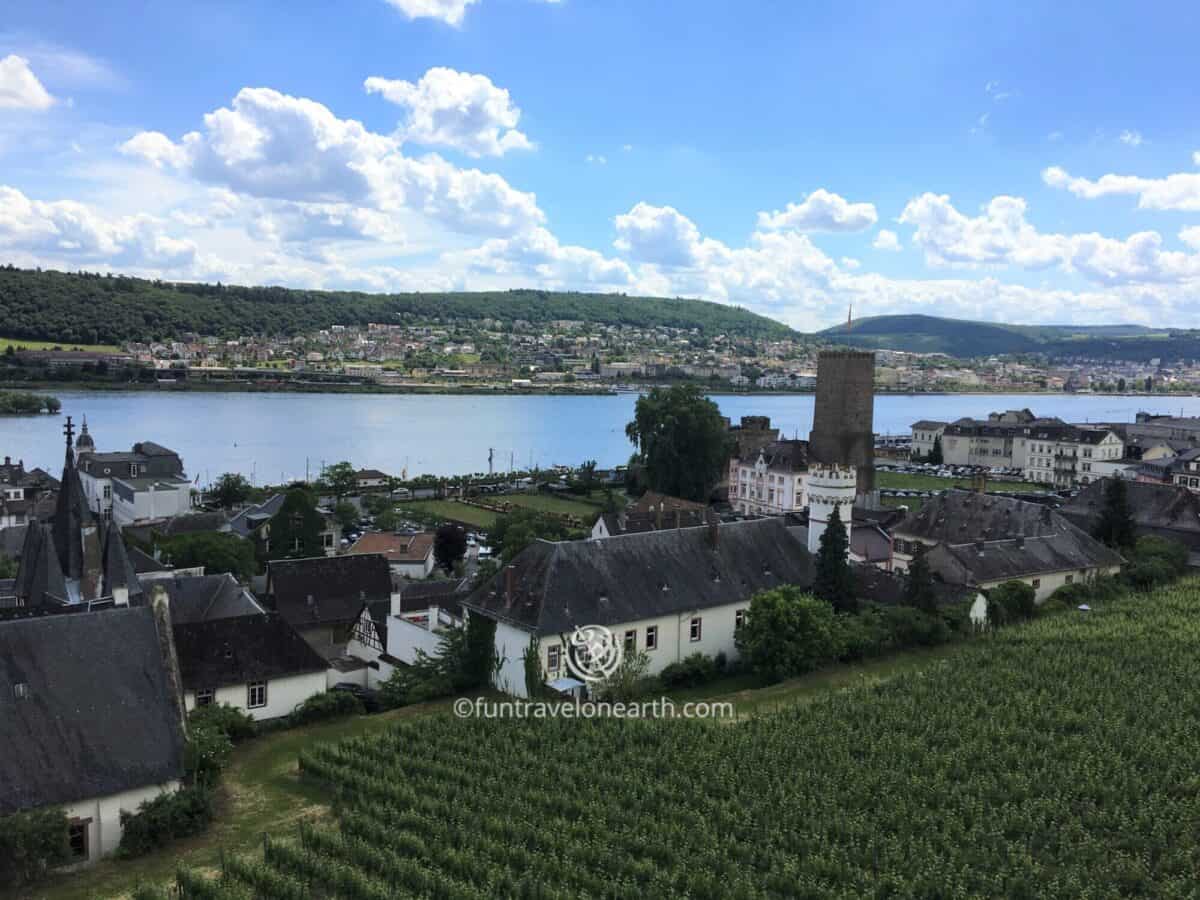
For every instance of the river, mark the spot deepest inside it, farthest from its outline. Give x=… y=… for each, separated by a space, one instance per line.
x=277 y=437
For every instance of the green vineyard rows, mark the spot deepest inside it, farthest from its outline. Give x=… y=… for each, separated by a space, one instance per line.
x=1058 y=759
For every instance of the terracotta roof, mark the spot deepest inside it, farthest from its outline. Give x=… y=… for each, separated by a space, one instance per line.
x=398 y=548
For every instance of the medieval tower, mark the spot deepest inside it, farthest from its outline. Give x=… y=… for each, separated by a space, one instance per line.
x=843 y=432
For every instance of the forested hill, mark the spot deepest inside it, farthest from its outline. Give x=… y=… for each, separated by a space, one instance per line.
x=961 y=338
x=101 y=309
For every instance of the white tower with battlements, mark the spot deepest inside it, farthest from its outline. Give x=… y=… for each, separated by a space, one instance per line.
x=830 y=487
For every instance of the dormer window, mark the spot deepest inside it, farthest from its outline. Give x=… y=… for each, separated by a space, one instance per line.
x=21 y=690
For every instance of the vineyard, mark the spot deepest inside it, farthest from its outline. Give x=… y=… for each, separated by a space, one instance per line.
x=1056 y=759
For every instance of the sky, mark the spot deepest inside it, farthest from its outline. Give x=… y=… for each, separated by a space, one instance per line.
x=1013 y=161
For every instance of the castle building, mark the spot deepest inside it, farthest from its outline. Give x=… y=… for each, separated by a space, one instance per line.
x=830 y=487
x=844 y=414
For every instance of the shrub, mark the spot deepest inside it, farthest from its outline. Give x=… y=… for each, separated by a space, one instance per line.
x=865 y=635
x=329 y=705
x=207 y=750
x=691 y=671
x=229 y=720
x=1149 y=573
x=1154 y=561
x=31 y=843
x=168 y=816
x=1011 y=602
x=788 y=633
x=908 y=627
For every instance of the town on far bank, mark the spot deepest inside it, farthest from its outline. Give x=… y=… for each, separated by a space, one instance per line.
x=221 y=610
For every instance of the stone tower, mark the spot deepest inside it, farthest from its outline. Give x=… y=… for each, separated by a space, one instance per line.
x=829 y=487
x=844 y=418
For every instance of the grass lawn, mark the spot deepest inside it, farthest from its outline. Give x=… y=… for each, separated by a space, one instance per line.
x=20 y=343
x=261 y=791
x=451 y=509
x=552 y=504
x=900 y=481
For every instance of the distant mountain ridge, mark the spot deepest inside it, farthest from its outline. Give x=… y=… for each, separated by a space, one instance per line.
x=80 y=307
x=964 y=338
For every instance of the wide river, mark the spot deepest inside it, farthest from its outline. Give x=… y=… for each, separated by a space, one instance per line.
x=278 y=437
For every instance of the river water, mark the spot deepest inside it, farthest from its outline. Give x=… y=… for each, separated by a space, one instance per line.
x=278 y=437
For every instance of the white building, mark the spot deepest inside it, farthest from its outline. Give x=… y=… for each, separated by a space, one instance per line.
x=771 y=481
x=93 y=724
x=144 y=484
x=925 y=436
x=830 y=488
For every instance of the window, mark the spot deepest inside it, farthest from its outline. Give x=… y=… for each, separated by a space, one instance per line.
x=553 y=656
x=696 y=629
x=365 y=633
x=1070 y=579
x=631 y=641
x=133 y=470
x=739 y=618
x=651 y=637
x=21 y=690
x=256 y=694
x=205 y=696
x=108 y=492
x=77 y=837
x=1037 y=583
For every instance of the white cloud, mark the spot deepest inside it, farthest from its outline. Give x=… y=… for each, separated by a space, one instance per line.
x=449 y=11
x=1180 y=191
x=628 y=147
x=455 y=109
x=849 y=262
x=273 y=146
x=596 y=159
x=886 y=240
x=1132 y=138
x=70 y=230
x=1196 y=158
x=1002 y=236
x=1191 y=237
x=537 y=254
x=820 y=211
x=660 y=235
x=1054 y=137
x=19 y=87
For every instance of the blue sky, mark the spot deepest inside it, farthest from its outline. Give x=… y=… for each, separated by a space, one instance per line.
x=1002 y=161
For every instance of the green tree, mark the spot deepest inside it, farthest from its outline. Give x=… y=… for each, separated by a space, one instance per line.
x=449 y=546
x=387 y=520
x=918 y=590
x=52 y=404
x=345 y=514
x=682 y=441
x=935 y=454
x=1011 y=601
x=787 y=633
x=31 y=844
x=295 y=531
x=339 y=479
x=231 y=489
x=218 y=552
x=8 y=567
x=516 y=530
x=1115 y=526
x=834 y=582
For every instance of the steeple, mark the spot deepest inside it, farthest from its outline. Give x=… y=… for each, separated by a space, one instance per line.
x=84 y=444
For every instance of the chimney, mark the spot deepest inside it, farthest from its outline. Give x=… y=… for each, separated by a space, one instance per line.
x=120 y=595
x=678 y=515
x=510 y=583
x=658 y=517
x=1020 y=542
x=432 y=613
x=714 y=532
x=979 y=547
x=160 y=605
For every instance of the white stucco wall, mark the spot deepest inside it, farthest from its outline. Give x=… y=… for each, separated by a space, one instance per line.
x=674 y=643
x=1050 y=582
x=155 y=502
x=405 y=638
x=419 y=569
x=283 y=695
x=104 y=831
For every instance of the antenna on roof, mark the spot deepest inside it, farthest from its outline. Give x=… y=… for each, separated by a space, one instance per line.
x=850 y=317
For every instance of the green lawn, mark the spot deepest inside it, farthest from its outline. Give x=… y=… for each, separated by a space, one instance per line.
x=900 y=481
x=23 y=343
x=552 y=504
x=452 y=509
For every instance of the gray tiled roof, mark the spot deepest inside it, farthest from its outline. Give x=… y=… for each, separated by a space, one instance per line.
x=1068 y=550
x=961 y=516
x=202 y=598
x=100 y=717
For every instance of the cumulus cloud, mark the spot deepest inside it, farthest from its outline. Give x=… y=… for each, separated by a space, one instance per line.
x=886 y=240
x=70 y=230
x=660 y=235
x=449 y=11
x=1180 y=191
x=1132 y=138
x=538 y=254
x=272 y=145
x=454 y=109
x=19 y=87
x=820 y=211
x=1191 y=237
x=1001 y=235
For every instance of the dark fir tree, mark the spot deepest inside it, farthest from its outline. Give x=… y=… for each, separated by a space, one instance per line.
x=449 y=546
x=834 y=582
x=295 y=531
x=935 y=454
x=1115 y=526
x=918 y=591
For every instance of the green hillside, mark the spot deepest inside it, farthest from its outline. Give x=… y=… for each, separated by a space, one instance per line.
x=98 y=309
x=962 y=338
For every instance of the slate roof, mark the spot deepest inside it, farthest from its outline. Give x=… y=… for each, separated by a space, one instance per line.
x=789 y=456
x=652 y=500
x=962 y=516
x=202 y=598
x=557 y=586
x=1164 y=509
x=11 y=540
x=252 y=517
x=144 y=563
x=100 y=717
x=418 y=595
x=240 y=649
x=635 y=522
x=928 y=425
x=1069 y=549
x=337 y=586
